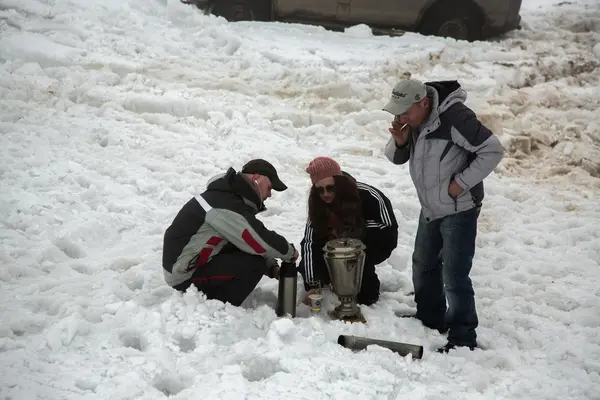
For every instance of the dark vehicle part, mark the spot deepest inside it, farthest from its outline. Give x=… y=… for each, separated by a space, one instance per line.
x=242 y=10
x=461 y=20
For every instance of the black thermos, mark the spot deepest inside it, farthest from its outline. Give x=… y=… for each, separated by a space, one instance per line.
x=286 y=298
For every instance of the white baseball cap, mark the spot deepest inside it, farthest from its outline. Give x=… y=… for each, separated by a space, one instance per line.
x=404 y=95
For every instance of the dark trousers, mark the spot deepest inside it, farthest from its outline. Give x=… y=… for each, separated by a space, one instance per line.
x=442 y=261
x=229 y=277
x=369 y=289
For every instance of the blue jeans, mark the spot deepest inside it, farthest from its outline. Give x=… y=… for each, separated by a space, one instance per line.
x=442 y=260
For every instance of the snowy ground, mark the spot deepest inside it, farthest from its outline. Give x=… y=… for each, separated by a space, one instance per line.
x=115 y=112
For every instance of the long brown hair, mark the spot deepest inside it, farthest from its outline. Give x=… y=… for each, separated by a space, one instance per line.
x=342 y=218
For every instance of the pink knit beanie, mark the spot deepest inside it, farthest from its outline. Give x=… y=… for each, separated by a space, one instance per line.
x=323 y=167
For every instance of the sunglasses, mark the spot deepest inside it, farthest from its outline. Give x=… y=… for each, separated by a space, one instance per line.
x=323 y=189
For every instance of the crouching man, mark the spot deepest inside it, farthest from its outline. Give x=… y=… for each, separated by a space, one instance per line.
x=216 y=242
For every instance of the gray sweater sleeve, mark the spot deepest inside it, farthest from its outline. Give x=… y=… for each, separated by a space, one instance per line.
x=470 y=134
x=396 y=154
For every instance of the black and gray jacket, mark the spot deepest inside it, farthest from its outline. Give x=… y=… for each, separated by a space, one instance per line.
x=450 y=144
x=380 y=237
x=221 y=217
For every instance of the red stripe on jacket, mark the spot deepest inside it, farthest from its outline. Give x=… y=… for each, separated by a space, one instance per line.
x=253 y=243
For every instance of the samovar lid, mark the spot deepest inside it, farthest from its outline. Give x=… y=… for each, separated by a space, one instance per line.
x=348 y=245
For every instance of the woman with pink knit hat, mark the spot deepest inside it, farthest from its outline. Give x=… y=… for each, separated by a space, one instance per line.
x=339 y=206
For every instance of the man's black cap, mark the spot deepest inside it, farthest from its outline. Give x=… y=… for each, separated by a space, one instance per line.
x=265 y=168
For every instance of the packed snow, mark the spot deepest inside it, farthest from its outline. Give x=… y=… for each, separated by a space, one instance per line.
x=114 y=113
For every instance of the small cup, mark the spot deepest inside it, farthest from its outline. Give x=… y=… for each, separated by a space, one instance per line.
x=315 y=302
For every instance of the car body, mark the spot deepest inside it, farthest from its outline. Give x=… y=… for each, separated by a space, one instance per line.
x=460 y=19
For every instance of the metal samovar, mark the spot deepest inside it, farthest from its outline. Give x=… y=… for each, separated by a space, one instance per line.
x=345 y=260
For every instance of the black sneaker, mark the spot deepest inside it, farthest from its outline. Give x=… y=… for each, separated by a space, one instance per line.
x=451 y=346
x=441 y=329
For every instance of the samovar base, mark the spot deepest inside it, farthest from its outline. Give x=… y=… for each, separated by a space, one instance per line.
x=347 y=313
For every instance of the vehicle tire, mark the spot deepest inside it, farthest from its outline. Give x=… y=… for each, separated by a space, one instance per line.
x=261 y=10
x=243 y=10
x=458 y=20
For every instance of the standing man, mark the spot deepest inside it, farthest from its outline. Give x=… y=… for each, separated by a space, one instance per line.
x=217 y=244
x=450 y=153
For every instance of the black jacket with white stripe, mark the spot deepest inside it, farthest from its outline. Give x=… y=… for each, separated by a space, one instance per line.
x=380 y=238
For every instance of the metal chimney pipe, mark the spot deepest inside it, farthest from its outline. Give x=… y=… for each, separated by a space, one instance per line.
x=360 y=343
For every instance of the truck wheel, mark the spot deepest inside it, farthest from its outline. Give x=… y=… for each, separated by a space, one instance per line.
x=243 y=10
x=461 y=20
x=261 y=10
